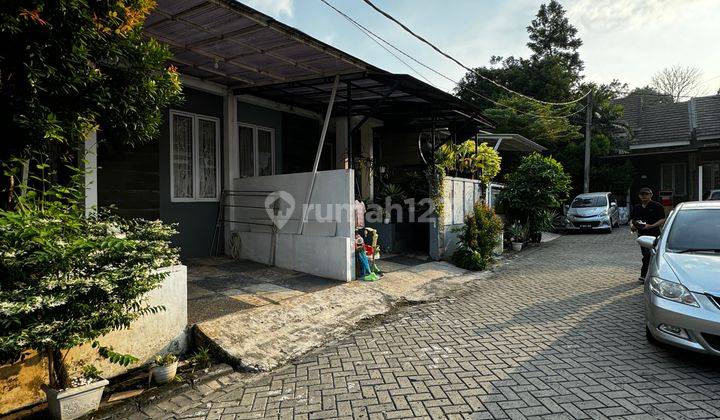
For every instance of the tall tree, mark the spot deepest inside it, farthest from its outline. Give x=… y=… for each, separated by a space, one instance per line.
x=679 y=82
x=551 y=73
x=553 y=37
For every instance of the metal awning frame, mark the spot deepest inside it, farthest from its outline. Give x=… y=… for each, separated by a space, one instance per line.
x=210 y=34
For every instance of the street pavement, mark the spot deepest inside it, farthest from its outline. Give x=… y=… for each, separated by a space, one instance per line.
x=557 y=332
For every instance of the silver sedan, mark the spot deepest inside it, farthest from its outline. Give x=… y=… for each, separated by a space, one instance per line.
x=682 y=288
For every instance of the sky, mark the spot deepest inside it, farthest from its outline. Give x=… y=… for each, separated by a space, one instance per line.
x=628 y=40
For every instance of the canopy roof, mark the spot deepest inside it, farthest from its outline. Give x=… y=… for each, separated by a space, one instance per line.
x=226 y=42
x=511 y=143
x=377 y=93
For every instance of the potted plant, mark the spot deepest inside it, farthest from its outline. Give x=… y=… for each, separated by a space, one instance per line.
x=83 y=395
x=517 y=232
x=67 y=280
x=164 y=368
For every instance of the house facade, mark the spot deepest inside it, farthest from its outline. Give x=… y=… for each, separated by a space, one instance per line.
x=674 y=146
x=259 y=99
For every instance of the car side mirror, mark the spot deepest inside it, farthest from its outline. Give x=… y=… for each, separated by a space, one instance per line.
x=613 y=204
x=647 y=241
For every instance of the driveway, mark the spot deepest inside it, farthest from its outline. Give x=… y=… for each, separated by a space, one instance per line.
x=557 y=332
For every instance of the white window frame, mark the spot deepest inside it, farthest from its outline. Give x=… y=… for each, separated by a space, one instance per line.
x=673 y=170
x=256 y=151
x=195 y=158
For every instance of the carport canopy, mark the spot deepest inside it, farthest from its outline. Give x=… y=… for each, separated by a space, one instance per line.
x=226 y=42
x=510 y=143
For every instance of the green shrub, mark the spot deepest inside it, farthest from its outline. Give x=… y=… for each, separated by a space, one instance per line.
x=478 y=238
x=537 y=187
x=66 y=280
x=463 y=160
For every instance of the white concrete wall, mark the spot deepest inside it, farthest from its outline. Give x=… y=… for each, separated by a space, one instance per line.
x=460 y=195
x=325 y=248
x=150 y=335
x=160 y=333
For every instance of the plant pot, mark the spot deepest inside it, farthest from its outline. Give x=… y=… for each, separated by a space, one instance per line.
x=517 y=246
x=72 y=403
x=163 y=374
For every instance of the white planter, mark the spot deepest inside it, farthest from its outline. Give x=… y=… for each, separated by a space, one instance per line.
x=72 y=403
x=164 y=374
x=517 y=246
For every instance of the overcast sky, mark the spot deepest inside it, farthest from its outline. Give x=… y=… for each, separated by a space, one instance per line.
x=628 y=40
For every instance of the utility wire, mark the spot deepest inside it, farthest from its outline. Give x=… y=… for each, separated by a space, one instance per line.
x=448 y=56
x=363 y=29
x=370 y=34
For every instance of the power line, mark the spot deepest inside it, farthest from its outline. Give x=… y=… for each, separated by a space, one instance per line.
x=448 y=56
x=381 y=45
x=375 y=37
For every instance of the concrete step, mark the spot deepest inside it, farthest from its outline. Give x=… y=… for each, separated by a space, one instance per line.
x=265 y=337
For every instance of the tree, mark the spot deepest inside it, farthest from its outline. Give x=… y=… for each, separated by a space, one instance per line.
x=678 y=82
x=551 y=73
x=69 y=66
x=543 y=124
x=553 y=37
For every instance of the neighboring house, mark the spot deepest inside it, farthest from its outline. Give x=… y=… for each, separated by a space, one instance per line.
x=256 y=95
x=674 y=147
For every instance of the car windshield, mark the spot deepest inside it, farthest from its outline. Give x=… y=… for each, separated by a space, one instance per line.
x=596 y=201
x=696 y=230
x=715 y=195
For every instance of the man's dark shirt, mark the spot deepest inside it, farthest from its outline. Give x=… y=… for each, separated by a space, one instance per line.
x=649 y=214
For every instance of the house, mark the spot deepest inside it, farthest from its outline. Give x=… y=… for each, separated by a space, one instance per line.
x=674 y=146
x=260 y=97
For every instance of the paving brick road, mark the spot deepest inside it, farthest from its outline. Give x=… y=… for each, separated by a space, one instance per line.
x=556 y=333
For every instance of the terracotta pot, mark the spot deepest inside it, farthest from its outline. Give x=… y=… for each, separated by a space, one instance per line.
x=517 y=246
x=164 y=374
x=75 y=402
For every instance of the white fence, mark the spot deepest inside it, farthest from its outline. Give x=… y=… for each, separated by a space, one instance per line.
x=325 y=247
x=459 y=197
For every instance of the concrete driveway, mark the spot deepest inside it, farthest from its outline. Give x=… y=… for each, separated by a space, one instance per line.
x=557 y=332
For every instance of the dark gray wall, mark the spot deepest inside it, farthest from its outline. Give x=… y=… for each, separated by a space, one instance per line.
x=264 y=117
x=300 y=144
x=128 y=179
x=196 y=220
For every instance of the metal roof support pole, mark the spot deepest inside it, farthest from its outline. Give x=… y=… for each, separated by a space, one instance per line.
x=317 y=155
x=497 y=145
x=348 y=97
x=588 y=135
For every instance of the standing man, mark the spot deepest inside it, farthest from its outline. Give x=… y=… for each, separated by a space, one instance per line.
x=646 y=218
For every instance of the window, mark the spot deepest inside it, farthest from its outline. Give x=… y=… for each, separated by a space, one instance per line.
x=591 y=201
x=194 y=157
x=672 y=178
x=256 y=150
x=697 y=229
